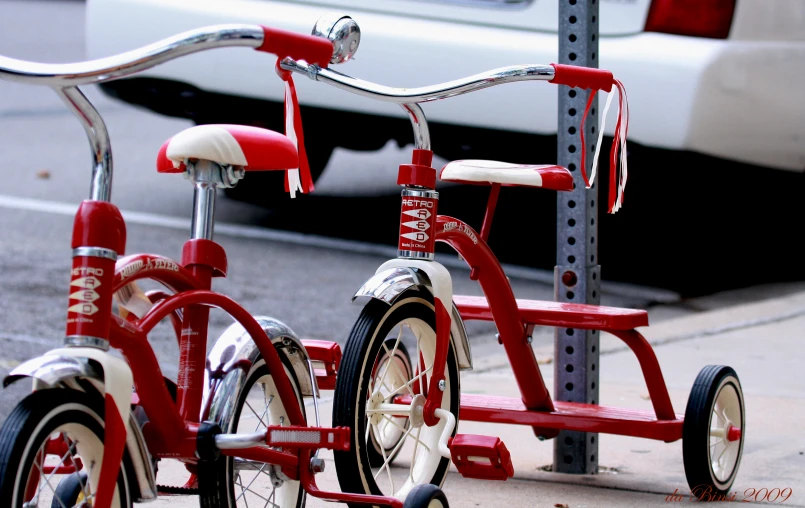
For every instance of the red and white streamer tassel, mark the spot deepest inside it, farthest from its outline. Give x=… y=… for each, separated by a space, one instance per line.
x=617 y=154
x=297 y=179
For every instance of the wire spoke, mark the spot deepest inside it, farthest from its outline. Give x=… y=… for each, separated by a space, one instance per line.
x=393 y=452
x=239 y=482
x=413 y=457
x=409 y=383
x=47 y=482
x=248 y=487
x=265 y=411
x=391 y=357
x=385 y=465
x=394 y=364
x=410 y=436
x=85 y=486
x=418 y=365
x=269 y=500
x=55 y=468
x=255 y=413
x=368 y=426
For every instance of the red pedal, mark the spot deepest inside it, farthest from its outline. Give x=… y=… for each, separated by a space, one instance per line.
x=329 y=354
x=481 y=457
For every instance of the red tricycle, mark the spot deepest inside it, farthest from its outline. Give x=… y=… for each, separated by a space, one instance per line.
x=94 y=429
x=398 y=387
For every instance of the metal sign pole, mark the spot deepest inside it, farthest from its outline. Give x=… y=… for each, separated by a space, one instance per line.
x=577 y=276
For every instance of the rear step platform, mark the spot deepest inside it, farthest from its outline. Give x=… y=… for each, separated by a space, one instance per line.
x=559 y=314
x=481 y=457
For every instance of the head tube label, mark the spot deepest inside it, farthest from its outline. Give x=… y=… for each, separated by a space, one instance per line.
x=417 y=224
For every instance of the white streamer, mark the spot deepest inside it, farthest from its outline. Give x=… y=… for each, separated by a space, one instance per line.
x=294 y=182
x=624 y=126
x=600 y=138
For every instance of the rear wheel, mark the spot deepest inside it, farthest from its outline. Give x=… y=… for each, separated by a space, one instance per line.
x=50 y=433
x=379 y=401
x=713 y=431
x=231 y=482
x=426 y=496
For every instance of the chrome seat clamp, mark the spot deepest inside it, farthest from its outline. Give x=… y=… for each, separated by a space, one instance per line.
x=86 y=341
x=95 y=252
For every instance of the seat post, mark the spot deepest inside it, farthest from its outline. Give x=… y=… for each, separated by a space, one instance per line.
x=490 y=211
x=206 y=176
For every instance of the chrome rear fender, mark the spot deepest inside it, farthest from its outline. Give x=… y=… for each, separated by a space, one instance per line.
x=233 y=355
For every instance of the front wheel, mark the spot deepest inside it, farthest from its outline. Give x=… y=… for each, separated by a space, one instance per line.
x=713 y=431
x=50 y=433
x=378 y=399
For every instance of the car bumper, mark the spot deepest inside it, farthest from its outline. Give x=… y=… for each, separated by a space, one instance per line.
x=732 y=99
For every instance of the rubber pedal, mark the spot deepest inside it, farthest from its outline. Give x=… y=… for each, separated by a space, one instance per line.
x=481 y=457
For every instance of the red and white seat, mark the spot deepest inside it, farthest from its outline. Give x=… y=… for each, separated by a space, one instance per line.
x=483 y=172
x=251 y=148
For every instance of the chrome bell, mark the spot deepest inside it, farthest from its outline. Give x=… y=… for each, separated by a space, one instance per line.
x=343 y=31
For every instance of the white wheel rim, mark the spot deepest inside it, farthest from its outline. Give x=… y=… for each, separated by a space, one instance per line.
x=727 y=411
x=419 y=445
x=253 y=485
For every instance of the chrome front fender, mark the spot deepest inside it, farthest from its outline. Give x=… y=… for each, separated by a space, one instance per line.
x=53 y=371
x=388 y=285
x=233 y=354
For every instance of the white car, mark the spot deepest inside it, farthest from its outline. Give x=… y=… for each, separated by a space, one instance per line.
x=719 y=77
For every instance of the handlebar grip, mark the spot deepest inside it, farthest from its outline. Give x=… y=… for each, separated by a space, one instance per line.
x=582 y=77
x=310 y=48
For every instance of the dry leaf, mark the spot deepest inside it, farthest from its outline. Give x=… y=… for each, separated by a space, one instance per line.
x=645 y=396
x=8 y=364
x=43 y=174
x=561 y=505
x=545 y=360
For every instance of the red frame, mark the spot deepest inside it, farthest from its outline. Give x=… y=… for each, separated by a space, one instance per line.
x=172 y=433
x=512 y=317
x=515 y=319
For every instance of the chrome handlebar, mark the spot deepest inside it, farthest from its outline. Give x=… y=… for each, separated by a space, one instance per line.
x=64 y=78
x=130 y=62
x=410 y=98
x=425 y=93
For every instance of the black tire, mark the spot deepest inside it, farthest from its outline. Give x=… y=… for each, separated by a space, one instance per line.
x=426 y=496
x=37 y=417
x=218 y=480
x=716 y=388
x=363 y=348
x=374 y=453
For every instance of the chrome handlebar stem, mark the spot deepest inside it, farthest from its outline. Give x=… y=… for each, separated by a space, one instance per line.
x=64 y=78
x=410 y=98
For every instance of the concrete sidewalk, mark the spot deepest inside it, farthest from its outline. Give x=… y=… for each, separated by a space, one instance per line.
x=760 y=340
